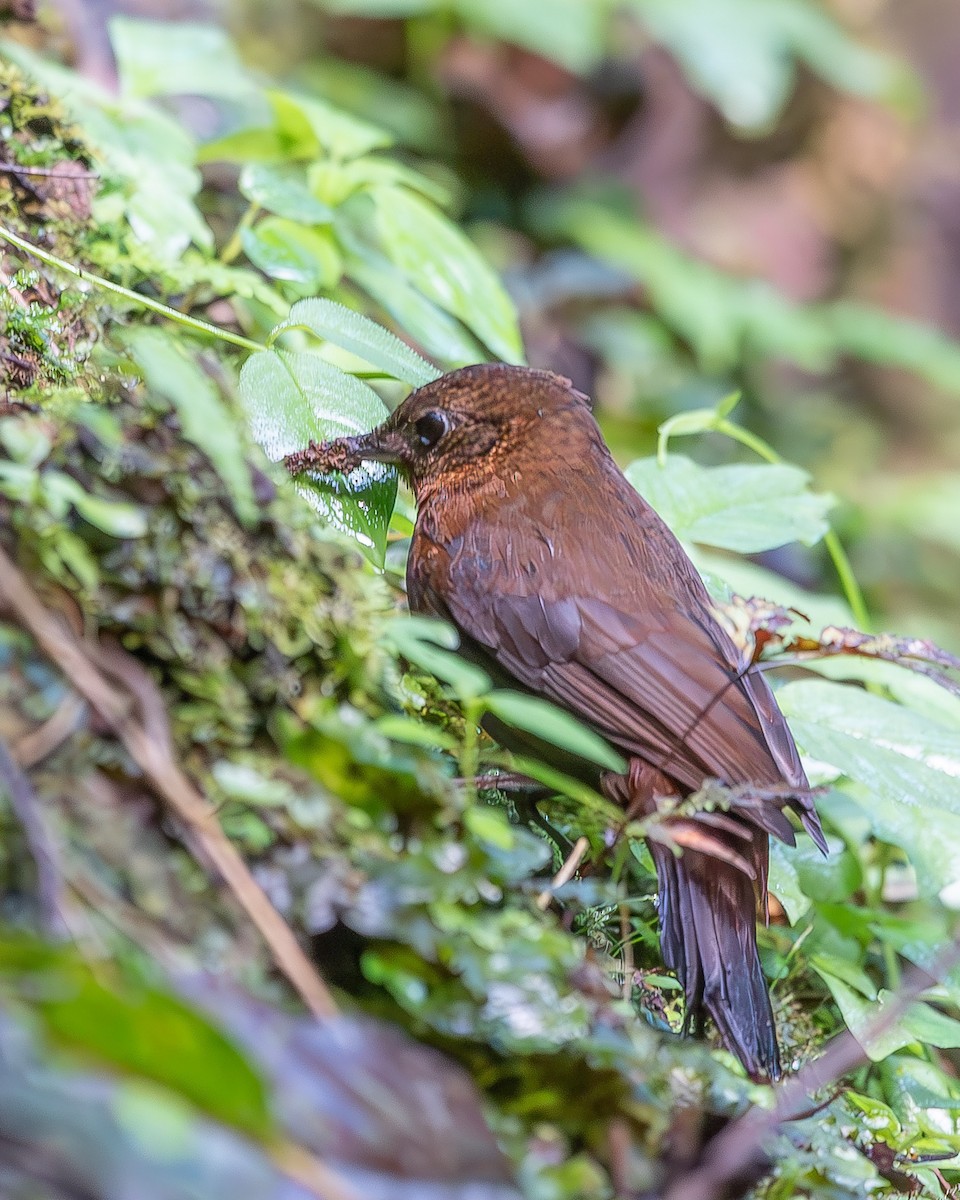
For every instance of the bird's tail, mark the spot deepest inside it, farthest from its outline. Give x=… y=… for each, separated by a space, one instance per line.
x=708 y=934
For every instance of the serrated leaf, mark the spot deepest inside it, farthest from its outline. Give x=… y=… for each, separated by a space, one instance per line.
x=354 y=332
x=544 y=720
x=439 y=259
x=291 y=399
x=745 y=507
x=204 y=418
x=283 y=190
x=290 y=251
x=907 y=764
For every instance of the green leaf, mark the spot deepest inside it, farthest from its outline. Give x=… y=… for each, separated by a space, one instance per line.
x=115 y=517
x=354 y=332
x=440 y=261
x=881 y=1119
x=907 y=763
x=742 y=54
x=144 y=1031
x=490 y=825
x=412 y=732
x=784 y=882
x=391 y=9
x=314 y=126
x=289 y=127
x=411 y=115
x=171 y=58
x=439 y=333
x=287 y=250
x=283 y=190
x=335 y=181
x=204 y=418
x=427 y=643
x=744 y=507
x=859 y=1015
x=150 y=152
x=879 y=337
x=570 y=32
x=552 y=724
x=915 y=1086
x=827 y=880
x=841 y=968
x=291 y=399
x=25 y=442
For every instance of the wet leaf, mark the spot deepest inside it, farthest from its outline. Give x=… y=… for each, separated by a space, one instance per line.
x=291 y=399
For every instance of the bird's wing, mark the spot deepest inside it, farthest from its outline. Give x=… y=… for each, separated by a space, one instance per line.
x=614 y=625
x=657 y=688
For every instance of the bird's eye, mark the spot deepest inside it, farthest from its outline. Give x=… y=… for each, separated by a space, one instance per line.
x=431 y=427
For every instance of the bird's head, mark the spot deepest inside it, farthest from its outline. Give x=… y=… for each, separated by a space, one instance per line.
x=461 y=423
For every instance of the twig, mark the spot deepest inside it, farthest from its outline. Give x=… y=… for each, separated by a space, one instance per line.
x=737 y=1149
x=46 y=172
x=626 y=947
x=153 y=758
x=41 y=742
x=566 y=872
x=312 y=1173
x=26 y=808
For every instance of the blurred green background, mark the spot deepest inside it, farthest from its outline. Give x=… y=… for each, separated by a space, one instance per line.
x=687 y=199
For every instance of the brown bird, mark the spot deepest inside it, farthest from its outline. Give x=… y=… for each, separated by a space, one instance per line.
x=561 y=577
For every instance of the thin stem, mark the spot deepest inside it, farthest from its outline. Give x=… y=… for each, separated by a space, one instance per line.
x=235 y=242
x=751 y=440
x=848 y=581
x=179 y=318
x=470 y=752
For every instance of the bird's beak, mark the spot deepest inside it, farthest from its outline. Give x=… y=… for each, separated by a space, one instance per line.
x=345 y=454
x=382 y=444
